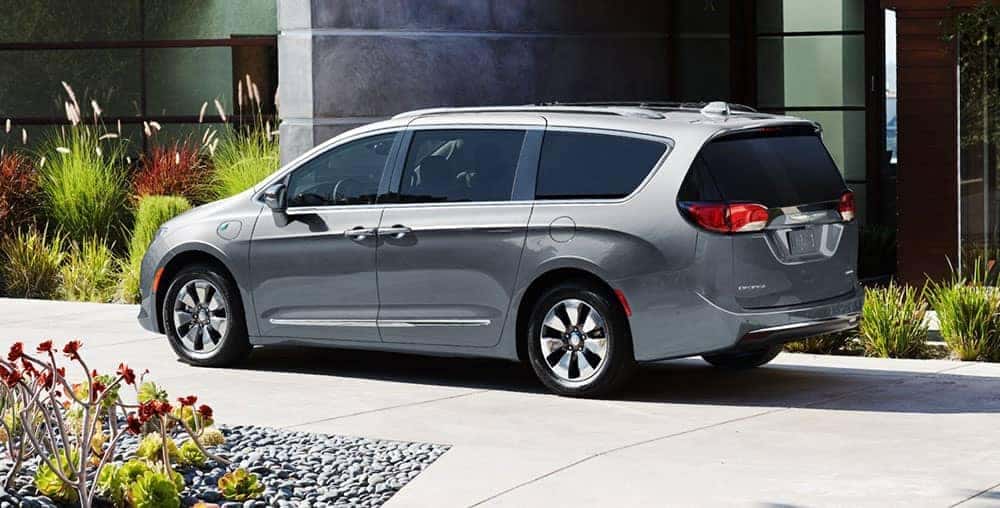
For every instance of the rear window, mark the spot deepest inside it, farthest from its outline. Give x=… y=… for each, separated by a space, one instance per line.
x=577 y=165
x=773 y=170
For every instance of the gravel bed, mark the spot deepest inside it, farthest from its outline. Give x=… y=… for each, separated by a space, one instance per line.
x=298 y=469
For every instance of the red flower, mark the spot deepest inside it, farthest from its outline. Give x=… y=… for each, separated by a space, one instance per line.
x=188 y=401
x=12 y=378
x=126 y=373
x=28 y=368
x=16 y=351
x=45 y=346
x=205 y=411
x=162 y=407
x=72 y=349
x=133 y=424
x=146 y=411
x=96 y=387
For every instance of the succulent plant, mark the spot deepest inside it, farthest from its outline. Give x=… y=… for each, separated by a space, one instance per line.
x=190 y=454
x=240 y=485
x=154 y=490
x=151 y=448
x=149 y=391
x=191 y=417
x=50 y=484
x=211 y=436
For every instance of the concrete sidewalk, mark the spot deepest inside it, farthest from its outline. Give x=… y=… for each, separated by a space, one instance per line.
x=803 y=431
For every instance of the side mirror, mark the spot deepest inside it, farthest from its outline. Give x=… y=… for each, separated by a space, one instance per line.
x=274 y=197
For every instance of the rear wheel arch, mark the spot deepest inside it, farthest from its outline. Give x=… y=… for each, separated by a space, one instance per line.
x=176 y=264
x=538 y=287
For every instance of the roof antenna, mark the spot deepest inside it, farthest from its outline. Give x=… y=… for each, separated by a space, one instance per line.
x=716 y=108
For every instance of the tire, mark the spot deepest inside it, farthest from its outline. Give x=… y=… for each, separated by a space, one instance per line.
x=744 y=359
x=205 y=289
x=556 y=361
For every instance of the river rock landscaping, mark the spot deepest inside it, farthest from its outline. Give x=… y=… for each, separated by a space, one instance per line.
x=296 y=469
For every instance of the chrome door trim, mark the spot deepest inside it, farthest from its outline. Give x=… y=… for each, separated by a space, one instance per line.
x=413 y=323
x=357 y=323
x=367 y=323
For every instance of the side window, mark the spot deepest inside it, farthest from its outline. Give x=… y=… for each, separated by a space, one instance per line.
x=346 y=175
x=576 y=165
x=460 y=165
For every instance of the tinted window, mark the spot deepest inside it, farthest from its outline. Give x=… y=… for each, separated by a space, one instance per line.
x=460 y=165
x=579 y=165
x=775 y=170
x=346 y=175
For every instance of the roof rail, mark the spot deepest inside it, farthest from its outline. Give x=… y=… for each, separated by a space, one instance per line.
x=656 y=105
x=609 y=109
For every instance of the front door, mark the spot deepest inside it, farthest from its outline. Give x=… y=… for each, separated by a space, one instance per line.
x=451 y=241
x=313 y=266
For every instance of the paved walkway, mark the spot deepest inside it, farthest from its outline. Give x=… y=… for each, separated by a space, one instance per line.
x=804 y=431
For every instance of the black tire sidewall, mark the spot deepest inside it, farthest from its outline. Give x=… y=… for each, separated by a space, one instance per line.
x=620 y=359
x=235 y=344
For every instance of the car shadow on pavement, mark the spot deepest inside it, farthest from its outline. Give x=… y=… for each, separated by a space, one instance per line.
x=687 y=381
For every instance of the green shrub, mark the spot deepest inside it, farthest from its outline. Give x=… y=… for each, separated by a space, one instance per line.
x=31 y=263
x=969 y=317
x=892 y=322
x=242 y=160
x=152 y=212
x=89 y=273
x=827 y=344
x=240 y=485
x=83 y=185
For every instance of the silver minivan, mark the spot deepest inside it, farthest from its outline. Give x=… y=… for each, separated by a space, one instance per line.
x=581 y=239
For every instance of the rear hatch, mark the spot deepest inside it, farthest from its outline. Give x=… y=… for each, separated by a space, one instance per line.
x=778 y=195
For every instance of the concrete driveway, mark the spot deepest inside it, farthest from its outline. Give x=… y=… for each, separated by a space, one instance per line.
x=804 y=431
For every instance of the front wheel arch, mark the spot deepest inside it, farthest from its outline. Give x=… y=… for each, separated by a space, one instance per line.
x=175 y=265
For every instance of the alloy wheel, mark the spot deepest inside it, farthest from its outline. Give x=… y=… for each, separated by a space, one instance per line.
x=201 y=316
x=574 y=341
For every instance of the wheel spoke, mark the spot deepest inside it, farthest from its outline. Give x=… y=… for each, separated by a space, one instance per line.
x=550 y=346
x=556 y=324
x=201 y=293
x=206 y=337
x=583 y=365
x=589 y=325
x=215 y=303
x=185 y=299
x=219 y=324
x=561 y=368
x=190 y=338
x=573 y=311
x=597 y=346
x=182 y=318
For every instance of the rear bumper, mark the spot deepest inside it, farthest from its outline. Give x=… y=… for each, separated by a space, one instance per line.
x=699 y=326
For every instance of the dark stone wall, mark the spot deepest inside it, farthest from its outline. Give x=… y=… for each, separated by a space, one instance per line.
x=344 y=63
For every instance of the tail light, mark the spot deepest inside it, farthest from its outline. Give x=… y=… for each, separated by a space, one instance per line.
x=727 y=217
x=846 y=206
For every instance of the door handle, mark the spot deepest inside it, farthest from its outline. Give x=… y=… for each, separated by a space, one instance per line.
x=398 y=231
x=359 y=233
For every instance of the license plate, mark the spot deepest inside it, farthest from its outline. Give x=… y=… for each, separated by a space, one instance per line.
x=803 y=241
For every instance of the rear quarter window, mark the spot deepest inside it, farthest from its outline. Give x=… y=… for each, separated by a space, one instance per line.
x=576 y=165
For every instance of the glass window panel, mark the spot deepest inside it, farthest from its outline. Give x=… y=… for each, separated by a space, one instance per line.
x=811 y=71
x=111 y=77
x=63 y=21
x=180 y=80
x=809 y=15
x=209 y=19
x=578 y=165
x=346 y=175
x=699 y=16
x=461 y=165
x=844 y=137
x=702 y=69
